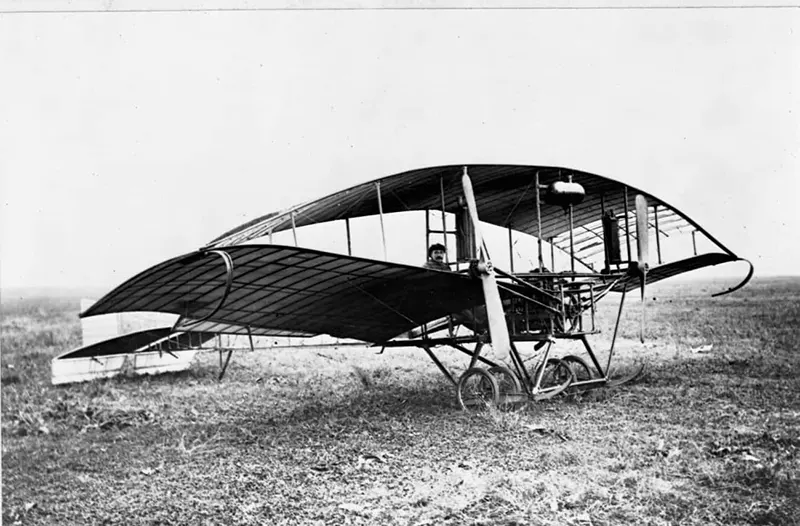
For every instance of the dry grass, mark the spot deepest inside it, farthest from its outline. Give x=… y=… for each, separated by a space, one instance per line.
x=351 y=437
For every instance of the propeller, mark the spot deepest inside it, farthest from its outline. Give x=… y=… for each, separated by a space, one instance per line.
x=498 y=330
x=643 y=247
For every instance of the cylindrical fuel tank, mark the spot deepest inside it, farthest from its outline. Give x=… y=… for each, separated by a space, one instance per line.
x=562 y=193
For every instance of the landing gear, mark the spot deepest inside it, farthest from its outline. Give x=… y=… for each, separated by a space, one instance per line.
x=478 y=389
x=578 y=367
x=500 y=387
x=511 y=392
x=556 y=374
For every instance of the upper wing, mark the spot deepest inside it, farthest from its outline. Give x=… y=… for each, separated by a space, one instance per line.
x=506 y=197
x=272 y=289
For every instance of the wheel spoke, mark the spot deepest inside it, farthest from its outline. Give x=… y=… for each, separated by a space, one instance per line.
x=477 y=389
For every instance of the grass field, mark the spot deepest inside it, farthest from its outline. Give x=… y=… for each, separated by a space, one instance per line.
x=351 y=437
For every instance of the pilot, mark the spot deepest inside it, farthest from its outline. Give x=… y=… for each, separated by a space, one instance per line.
x=436 y=257
x=473 y=319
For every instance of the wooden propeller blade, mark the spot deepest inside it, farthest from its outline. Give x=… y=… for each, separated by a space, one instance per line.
x=642 y=237
x=498 y=330
x=643 y=279
x=643 y=246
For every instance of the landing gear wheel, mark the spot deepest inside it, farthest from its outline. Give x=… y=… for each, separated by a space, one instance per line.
x=509 y=385
x=556 y=378
x=478 y=389
x=578 y=367
x=556 y=373
x=581 y=371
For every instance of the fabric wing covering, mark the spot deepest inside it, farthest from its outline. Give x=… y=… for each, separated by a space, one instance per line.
x=673 y=269
x=141 y=341
x=275 y=289
x=506 y=197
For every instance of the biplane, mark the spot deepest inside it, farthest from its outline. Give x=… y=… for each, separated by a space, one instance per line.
x=589 y=235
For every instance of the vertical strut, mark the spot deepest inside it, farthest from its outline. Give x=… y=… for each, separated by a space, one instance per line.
x=250 y=337
x=294 y=228
x=439 y=365
x=349 y=242
x=224 y=367
x=519 y=365
x=602 y=223
x=571 y=238
x=510 y=249
x=539 y=225
x=658 y=238
x=592 y=356
x=542 y=365
x=475 y=354
x=427 y=231
x=616 y=327
x=380 y=212
x=444 y=219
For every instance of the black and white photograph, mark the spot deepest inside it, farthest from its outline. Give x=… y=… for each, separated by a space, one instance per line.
x=403 y=262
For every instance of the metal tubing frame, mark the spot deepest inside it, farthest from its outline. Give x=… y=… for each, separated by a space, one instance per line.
x=224 y=367
x=607 y=264
x=536 y=275
x=616 y=328
x=539 y=225
x=524 y=283
x=571 y=236
x=531 y=385
x=429 y=341
x=475 y=354
x=658 y=238
x=527 y=318
x=466 y=351
x=440 y=365
x=571 y=242
x=594 y=359
x=540 y=368
x=526 y=298
x=250 y=337
x=522 y=371
x=444 y=218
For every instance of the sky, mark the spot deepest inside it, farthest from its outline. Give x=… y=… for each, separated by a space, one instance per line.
x=127 y=138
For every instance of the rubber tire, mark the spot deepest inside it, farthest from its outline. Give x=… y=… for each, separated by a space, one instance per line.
x=490 y=394
x=560 y=371
x=579 y=368
x=509 y=384
x=506 y=379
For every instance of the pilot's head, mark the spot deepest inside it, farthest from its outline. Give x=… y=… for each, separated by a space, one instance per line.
x=437 y=252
